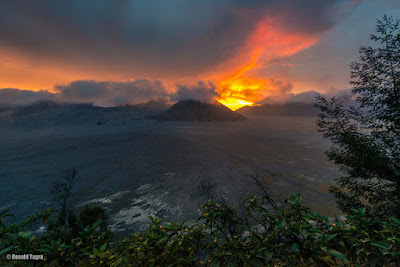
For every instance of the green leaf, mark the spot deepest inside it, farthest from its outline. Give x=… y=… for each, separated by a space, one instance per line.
x=215 y=263
x=103 y=247
x=337 y=254
x=267 y=255
x=230 y=264
x=5 y=214
x=358 y=250
x=96 y=224
x=257 y=262
x=118 y=262
x=303 y=232
x=207 y=257
x=396 y=220
x=6 y=250
x=329 y=237
x=296 y=248
x=46 y=250
x=162 y=239
x=286 y=259
x=27 y=234
x=385 y=246
x=362 y=210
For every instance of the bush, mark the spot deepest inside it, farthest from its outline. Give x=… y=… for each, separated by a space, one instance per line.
x=89 y=214
x=289 y=235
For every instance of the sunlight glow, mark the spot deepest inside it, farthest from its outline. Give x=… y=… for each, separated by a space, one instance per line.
x=243 y=86
x=239 y=90
x=234 y=103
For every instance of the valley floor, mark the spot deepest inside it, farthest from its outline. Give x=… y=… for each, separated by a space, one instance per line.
x=144 y=168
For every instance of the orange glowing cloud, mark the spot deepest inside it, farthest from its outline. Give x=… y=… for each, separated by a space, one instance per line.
x=18 y=70
x=243 y=85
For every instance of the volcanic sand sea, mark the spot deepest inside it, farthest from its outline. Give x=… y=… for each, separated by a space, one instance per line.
x=148 y=168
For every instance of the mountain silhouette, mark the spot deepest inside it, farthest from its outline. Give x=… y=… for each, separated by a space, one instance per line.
x=192 y=110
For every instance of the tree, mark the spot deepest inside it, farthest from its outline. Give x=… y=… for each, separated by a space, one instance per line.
x=267 y=190
x=366 y=136
x=62 y=191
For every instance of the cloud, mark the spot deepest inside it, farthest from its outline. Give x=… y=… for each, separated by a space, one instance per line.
x=345 y=96
x=16 y=97
x=304 y=97
x=99 y=93
x=202 y=91
x=281 y=87
x=85 y=90
x=308 y=97
x=154 y=38
x=108 y=93
x=111 y=93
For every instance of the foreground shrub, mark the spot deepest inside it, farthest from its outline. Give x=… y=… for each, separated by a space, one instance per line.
x=224 y=236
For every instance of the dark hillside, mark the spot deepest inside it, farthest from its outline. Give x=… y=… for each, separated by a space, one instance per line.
x=191 y=110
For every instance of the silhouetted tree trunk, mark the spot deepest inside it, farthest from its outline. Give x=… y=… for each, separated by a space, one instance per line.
x=62 y=191
x=256 y=175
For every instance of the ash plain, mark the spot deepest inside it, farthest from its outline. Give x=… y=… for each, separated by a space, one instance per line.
x=136 y=167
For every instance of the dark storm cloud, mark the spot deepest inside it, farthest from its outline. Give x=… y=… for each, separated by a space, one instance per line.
x=87 y=90
x=155 y=37
x=202 y=91
x=307 y=16
x=106 y=93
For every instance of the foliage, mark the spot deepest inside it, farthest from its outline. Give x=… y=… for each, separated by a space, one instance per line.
x=366 y=137
x=89 y=214
x=222 y=236
x=13 y=239
x=61 y=245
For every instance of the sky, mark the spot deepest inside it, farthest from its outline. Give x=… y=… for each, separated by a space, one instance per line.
x=238 y=52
